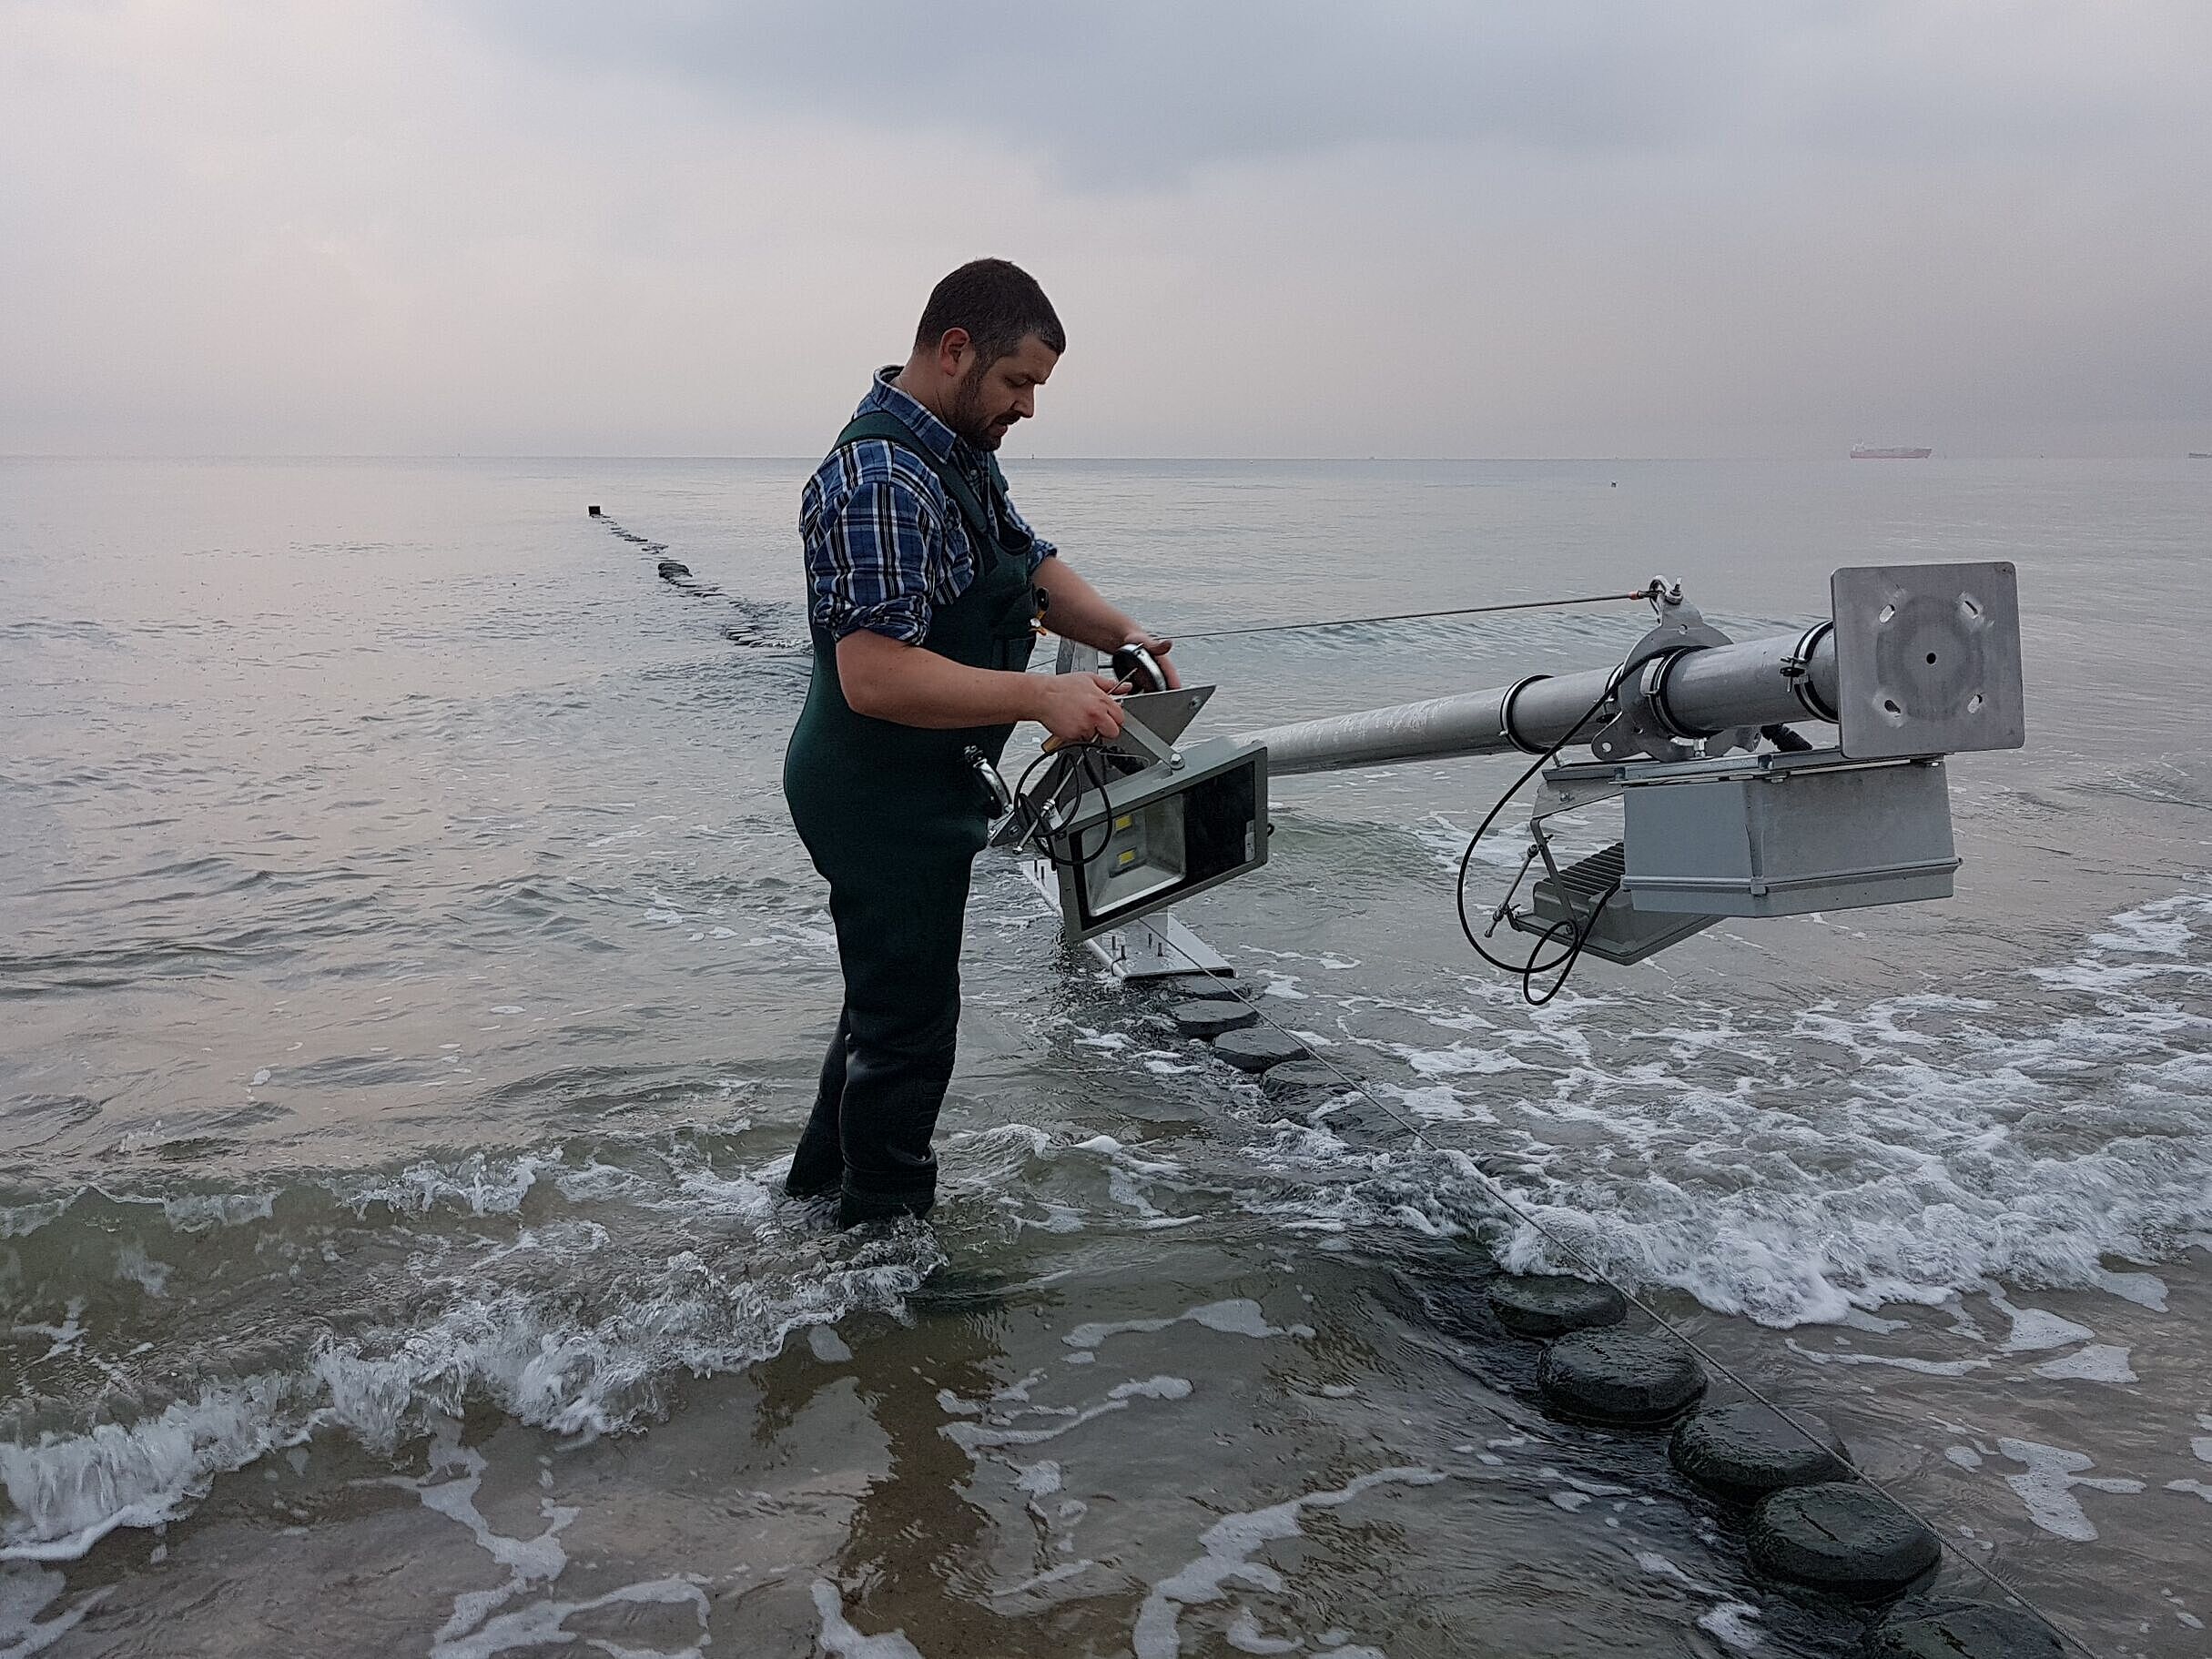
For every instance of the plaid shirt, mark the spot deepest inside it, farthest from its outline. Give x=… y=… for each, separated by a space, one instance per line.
x=885 y=543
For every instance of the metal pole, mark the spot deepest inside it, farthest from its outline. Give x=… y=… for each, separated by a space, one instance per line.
x=1708 y=691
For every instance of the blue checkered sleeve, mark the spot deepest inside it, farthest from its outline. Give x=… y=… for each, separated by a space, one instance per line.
x=869 y=525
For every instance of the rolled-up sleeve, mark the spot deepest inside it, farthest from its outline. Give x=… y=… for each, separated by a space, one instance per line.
x=868 y=533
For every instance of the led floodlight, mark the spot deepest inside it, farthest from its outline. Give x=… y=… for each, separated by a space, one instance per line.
x=1154 y=836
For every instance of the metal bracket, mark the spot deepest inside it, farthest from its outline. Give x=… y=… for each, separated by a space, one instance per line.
x=1744 y=738
x=1157 y=948
x=1151 y=722
x=1141 y=743
x=1641 y=727
x=1797 y=668
x=1928 y=659
x=1567 y=788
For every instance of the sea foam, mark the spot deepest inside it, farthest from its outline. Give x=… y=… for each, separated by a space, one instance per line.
x=1955 y=1142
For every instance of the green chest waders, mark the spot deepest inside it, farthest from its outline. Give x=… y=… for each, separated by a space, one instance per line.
x=893 y=817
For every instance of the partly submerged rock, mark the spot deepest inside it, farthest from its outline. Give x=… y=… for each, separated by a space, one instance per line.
x=1545 y=1305
x=1210 y=1019
x=1623 y=1377
x=1843 y=1537
x=1963 y=1630
x=1294 y=1080
x=1206 y=987
x=1258 y=1048
x=1743 y=1452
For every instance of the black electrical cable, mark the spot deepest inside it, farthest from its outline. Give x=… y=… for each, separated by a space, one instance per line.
x=1574 y=954
x=1565 y=962
x=1038 y=842
x=1088 y=759
x=1782 y=737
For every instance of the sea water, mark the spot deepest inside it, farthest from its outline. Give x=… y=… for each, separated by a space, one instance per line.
x=412 y=984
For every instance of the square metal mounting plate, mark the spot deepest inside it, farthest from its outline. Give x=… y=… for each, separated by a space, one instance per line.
x=1928 y=659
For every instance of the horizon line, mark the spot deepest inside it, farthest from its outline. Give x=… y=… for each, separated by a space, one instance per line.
x=245 y=455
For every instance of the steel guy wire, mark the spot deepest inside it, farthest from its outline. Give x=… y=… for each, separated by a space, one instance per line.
x=1414 y=616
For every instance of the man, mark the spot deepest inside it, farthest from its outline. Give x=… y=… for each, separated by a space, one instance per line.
x=924 y=588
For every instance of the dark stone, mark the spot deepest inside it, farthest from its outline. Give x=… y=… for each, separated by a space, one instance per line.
x=1210 y=1019
x=1545 y=1305
x=1625 y=1377
x=1842 y=1537
x=1296 y=1078
x=1206 y=987
x=1964 y=1630
x=671 y=570
x=1259 y=1048
x=1357 y=1114
x=1742 y=1453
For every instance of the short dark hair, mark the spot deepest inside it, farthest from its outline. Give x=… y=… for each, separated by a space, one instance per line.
x=997 y=303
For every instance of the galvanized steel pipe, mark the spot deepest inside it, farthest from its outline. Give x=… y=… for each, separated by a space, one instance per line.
x=1704 y=691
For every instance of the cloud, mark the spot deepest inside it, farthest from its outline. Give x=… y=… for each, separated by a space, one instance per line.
x=1120 y=92
x=430 y=225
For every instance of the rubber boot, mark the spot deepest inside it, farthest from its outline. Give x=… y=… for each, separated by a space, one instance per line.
x=817 y=1166
x=857 y=1204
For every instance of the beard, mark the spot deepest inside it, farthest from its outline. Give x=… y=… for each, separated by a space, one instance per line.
x=968 y=421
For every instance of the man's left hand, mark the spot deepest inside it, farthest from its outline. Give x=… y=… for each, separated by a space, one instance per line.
x=1160 y=647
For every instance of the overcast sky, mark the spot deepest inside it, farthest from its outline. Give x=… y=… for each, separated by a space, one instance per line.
x=1437 y=227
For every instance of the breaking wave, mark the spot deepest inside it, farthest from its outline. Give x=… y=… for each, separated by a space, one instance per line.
x=577 y=1290
x=1906 y=1151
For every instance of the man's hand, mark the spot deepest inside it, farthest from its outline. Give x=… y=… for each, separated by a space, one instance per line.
x=1076 y=708
x=1077 y=611
x=1160 y=649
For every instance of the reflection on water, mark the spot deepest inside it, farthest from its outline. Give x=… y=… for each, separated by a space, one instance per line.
x=412 y=982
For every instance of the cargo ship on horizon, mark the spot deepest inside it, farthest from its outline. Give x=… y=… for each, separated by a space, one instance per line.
x=1868 y=451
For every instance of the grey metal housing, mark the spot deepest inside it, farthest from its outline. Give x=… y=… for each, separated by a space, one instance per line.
x=1787 y=835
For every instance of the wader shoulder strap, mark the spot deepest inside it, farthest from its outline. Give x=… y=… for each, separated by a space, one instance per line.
x=883 y=425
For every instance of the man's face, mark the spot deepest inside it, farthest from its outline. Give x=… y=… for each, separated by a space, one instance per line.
x=991 y=397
